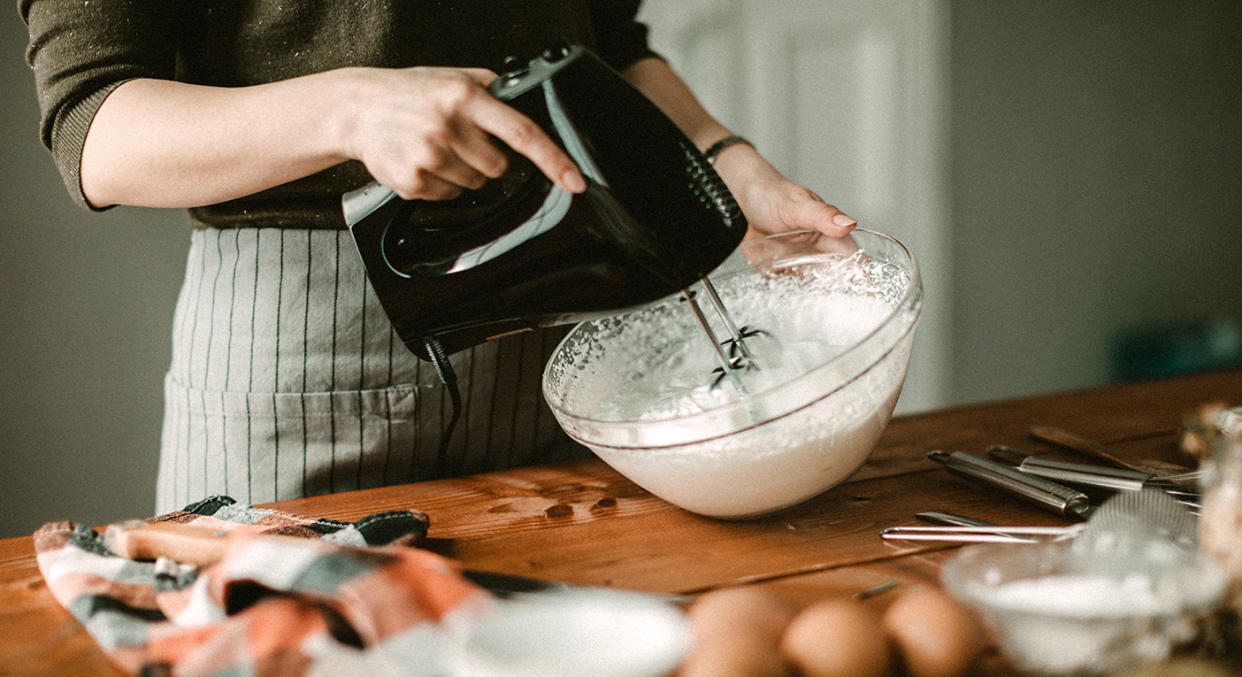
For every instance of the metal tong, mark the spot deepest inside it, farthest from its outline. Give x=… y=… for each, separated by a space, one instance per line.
x=1180 y=487
x=959 y=529
x=1042 y=492
x=983 y=533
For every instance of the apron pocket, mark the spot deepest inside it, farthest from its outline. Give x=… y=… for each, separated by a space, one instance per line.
x=259 y=447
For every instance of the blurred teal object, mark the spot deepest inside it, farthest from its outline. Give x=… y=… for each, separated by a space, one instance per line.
x=1169 y=350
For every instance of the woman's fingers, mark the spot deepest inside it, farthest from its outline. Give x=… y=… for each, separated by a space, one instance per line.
x=525 y=137
x=429 y=133
x=481 y=153
x=432 y=187
x=819 y=215
x=490 y=116
x=782 y=205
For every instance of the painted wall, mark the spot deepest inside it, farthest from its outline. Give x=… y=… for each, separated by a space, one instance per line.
x=86 y=301
x=1096 y=184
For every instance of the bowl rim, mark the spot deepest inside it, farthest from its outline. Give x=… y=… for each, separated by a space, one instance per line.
x=740 y=415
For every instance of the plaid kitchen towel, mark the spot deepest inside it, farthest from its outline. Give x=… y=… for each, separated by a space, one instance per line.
x=348 y=597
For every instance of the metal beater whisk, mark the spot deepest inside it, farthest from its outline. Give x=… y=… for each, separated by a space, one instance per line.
x=738 y=357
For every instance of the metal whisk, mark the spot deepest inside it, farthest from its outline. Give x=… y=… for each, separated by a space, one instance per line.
x=738 y=356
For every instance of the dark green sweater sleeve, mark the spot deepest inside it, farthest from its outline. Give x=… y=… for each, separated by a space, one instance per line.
x=80 y=50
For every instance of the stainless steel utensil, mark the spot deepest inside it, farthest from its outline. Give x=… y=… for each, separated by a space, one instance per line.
x=951 y=520
x=1096 y=476
x=1135 y=520
x=984 y=533
x=1082 y=445
x=738 y=356
x=1044 y=493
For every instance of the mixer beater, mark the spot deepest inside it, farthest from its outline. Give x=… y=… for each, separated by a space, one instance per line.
x=738 y=356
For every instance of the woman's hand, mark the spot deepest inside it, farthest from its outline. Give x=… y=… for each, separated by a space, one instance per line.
x=773 y=203
x=424 y=132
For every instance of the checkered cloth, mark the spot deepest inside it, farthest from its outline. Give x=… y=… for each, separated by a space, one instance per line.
x=350 y=597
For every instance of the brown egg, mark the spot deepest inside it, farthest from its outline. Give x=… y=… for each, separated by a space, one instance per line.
x=737 y=633
x=934 y=635
x=837 y=638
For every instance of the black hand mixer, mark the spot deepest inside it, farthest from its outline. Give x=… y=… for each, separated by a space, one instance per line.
x=521 y=253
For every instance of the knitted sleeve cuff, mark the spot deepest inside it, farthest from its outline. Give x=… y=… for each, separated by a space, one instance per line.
x=69 y=136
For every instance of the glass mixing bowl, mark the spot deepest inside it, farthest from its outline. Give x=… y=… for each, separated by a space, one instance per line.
x=1053 y=614
x=837 y=319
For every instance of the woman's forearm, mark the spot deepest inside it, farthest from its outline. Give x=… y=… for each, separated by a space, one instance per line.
x=160 y=143
x=426 y=133
x=660 y=83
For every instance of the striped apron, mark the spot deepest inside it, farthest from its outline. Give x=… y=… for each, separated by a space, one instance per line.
x=287 y=380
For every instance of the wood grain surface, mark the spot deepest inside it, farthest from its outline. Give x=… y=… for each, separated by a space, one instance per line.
x=582 y=522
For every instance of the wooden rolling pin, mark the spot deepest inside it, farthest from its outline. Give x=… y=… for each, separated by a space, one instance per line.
x=183 y=543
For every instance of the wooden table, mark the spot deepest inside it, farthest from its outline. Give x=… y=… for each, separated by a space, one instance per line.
x=582 y=522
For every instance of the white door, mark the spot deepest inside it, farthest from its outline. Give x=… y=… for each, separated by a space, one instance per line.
x=845 y=97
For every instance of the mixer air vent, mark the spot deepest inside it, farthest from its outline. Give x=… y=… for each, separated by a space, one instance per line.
x=708 y=187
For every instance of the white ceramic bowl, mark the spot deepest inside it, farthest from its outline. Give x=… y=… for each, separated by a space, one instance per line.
x=573 y=634
x=844 y=312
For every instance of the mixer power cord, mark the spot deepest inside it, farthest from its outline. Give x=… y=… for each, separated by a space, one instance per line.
x=444 y=369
